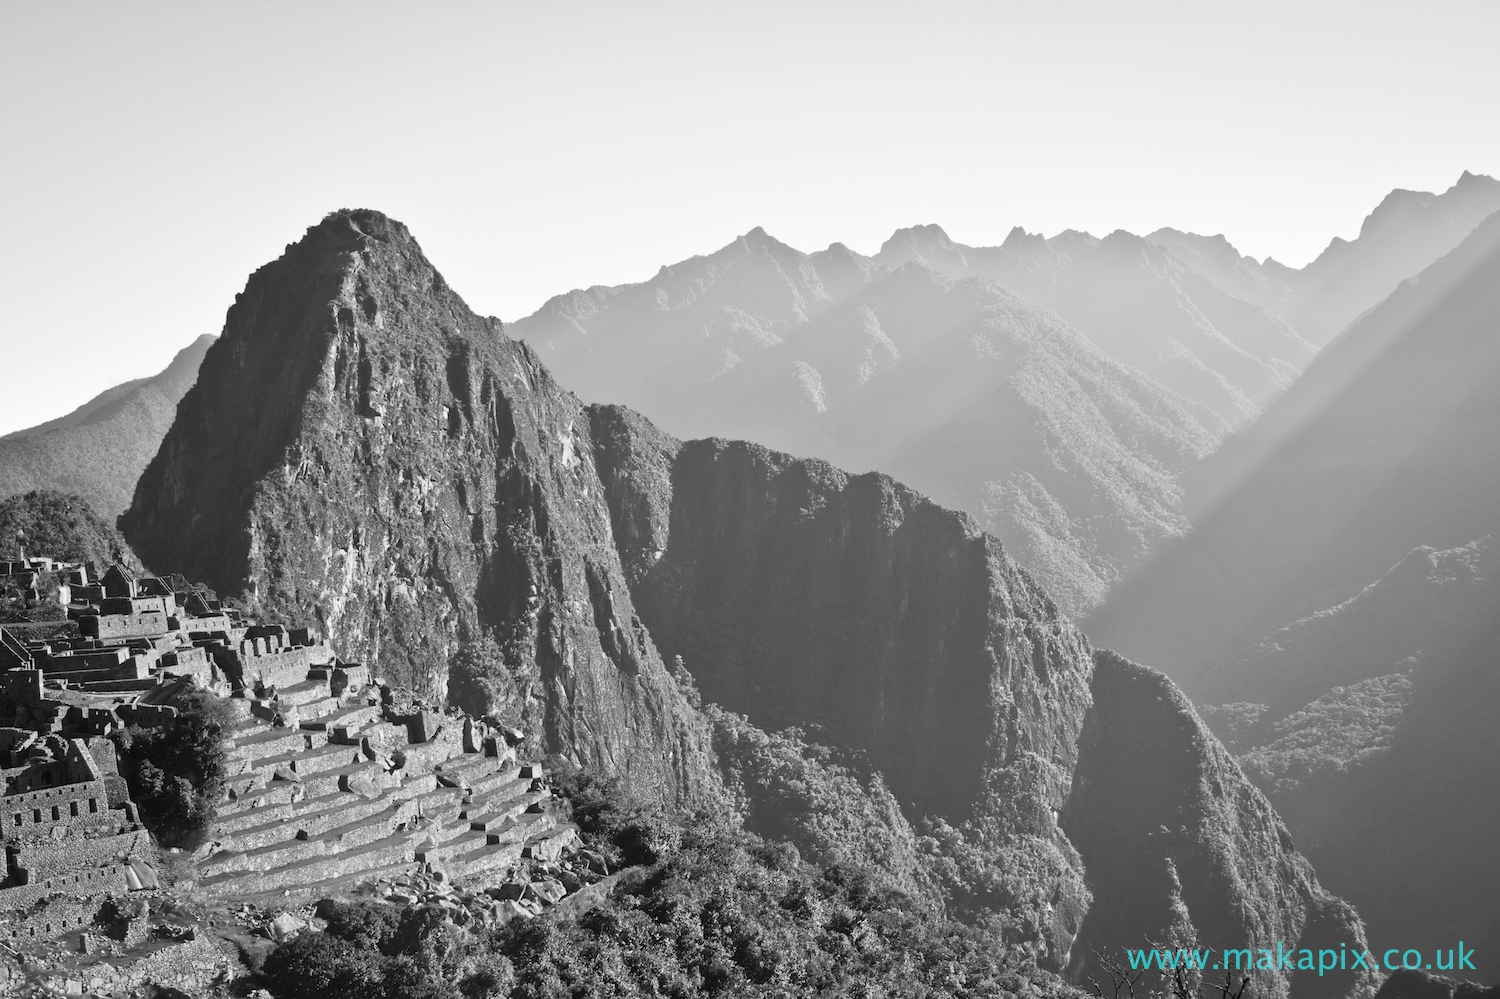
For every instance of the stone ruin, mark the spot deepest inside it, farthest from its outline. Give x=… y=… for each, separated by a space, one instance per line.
x=332 y=790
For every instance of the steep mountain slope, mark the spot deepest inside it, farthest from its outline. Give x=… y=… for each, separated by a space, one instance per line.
x=1389 y=443
x=932 y=638
x=990 y=405
x=1139 y=304
x=1337 y=605
x=99 y=449
x=801 y=595
x=60 y=526
x=1403 y=235
x=361 y=446
x=980 y=399
x=655 y=345
x=1182 y=848
x=1372 y=731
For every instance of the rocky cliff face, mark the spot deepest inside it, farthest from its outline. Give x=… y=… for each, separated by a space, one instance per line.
x=803 y=596
x=799 y=594
x=362 y=450
x=1182 y=848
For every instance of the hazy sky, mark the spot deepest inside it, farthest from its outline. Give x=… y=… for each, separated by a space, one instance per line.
x=152 y=155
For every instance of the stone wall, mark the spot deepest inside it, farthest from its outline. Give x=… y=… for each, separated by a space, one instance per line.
x=114 y=627
x=57 y=915
x=249 y=664
x=91 y=882
x=84 y=805
x=49 y=860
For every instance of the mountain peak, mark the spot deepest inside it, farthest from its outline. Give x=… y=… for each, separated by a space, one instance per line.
x=1018 y=240
x=361 y=431
x=931 y=231
x=1472 y=181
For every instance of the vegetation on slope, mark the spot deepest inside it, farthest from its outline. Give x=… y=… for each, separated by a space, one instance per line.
x=176 y=772
x=99 y=449
x=707 y=909
x=59 y=525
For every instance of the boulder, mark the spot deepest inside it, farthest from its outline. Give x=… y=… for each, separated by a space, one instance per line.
x=284 y=927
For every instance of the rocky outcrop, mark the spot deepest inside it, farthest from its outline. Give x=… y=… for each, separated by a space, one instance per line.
x=363 y=453
x=1182 y=849
x=799 y=594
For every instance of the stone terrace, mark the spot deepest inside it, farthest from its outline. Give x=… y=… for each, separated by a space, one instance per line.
x=354 y=792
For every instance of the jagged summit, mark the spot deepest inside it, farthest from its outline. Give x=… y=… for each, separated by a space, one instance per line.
x=1026 y=245
x=364 y=453
x=1473 y=180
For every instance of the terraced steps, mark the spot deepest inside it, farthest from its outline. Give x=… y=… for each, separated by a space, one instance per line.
x=305 y=693
x=302 y=872
x=343 y=882
x=353 y=717
x=493 y=858
x=269 y=742
x=291 y=823
x=328 y=813
x=494 y=814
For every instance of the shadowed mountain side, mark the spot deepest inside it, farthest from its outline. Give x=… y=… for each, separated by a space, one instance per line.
x=1395 y=448
x=99 y=449
x=798 y=594
x=1181 y=847
x=801 y=595
x=1379 y=746
x=1342 y=363
x=364 y=453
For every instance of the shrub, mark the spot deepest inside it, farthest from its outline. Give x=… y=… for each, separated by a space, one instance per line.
x=176 y=771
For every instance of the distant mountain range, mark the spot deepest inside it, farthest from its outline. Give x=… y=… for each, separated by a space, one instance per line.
x=1405 y=233
x=1055 y=389
x=992 y=403
x=99 y=449
x=1140 y=304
